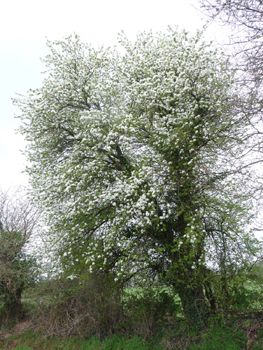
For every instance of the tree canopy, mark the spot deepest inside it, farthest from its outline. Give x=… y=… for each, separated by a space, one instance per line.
x=134 y=157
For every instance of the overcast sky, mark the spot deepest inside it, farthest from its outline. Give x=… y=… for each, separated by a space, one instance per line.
x=24 y=27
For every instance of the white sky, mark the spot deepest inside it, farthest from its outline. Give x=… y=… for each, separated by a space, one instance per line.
x=24 y=26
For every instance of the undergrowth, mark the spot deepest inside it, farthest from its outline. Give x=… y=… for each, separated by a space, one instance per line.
x=92 y=313
x=232 y=334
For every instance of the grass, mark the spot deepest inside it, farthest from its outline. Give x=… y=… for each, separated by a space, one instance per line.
x=215 y=338
x=31 y=341
x=234 y=334
x=219 y=338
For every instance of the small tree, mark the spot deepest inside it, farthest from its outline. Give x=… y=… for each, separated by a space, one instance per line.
x=17 y=221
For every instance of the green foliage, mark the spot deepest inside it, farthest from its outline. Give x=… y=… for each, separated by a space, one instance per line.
x=249 y=296
x=148 y=308
x=15 y=276
x=18 y=269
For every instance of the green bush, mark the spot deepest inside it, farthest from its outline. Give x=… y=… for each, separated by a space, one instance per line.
x=149 y=308
x=87 y=305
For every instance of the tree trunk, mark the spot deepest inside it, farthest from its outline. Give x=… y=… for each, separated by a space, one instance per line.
x=13 y=306
x=210 y=296
x=195 y=305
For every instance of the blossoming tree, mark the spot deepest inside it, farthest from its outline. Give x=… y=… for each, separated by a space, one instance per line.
x=131 y=156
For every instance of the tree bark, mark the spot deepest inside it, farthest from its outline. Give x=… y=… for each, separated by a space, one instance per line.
x=13 y=306
x=194 y=304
